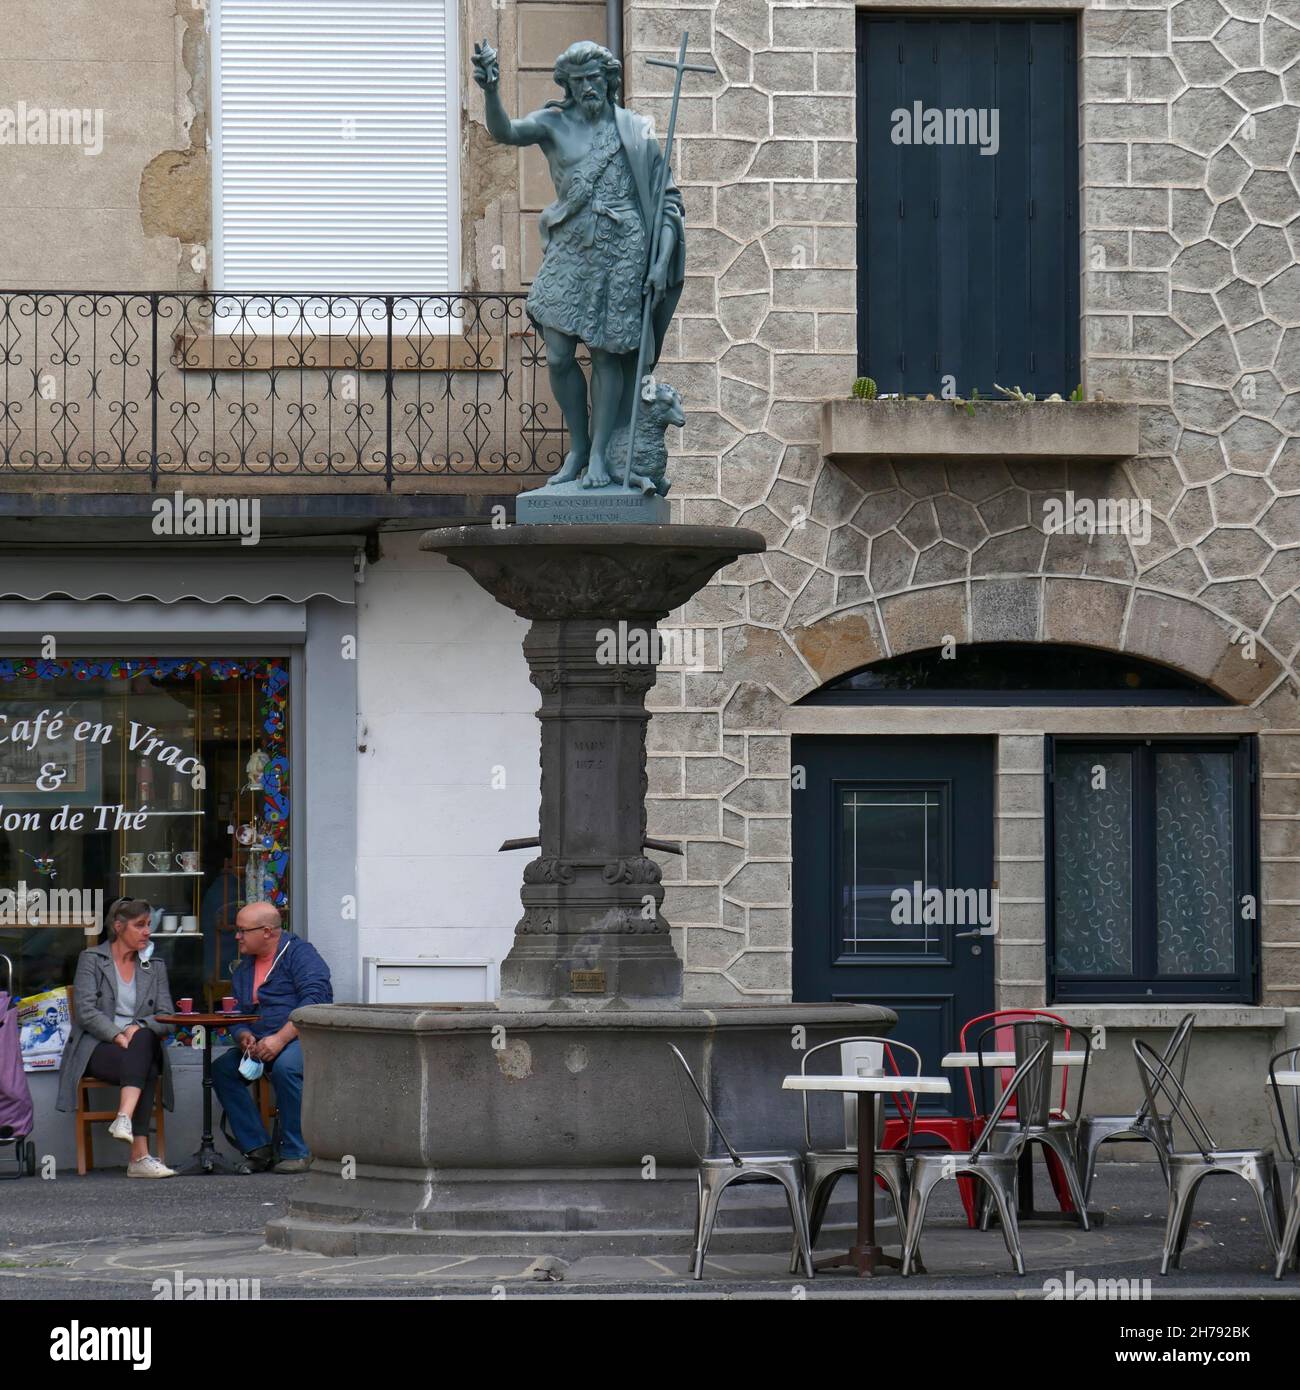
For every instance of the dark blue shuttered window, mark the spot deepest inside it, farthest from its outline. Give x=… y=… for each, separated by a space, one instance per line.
x=968 y=263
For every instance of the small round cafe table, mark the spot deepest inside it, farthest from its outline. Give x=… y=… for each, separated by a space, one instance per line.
x=865 y=1255
x=207 y=1160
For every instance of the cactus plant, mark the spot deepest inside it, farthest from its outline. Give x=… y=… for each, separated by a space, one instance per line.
x=864 y=388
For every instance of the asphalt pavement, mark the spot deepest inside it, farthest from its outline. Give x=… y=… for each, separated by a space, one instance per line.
x=106 y=1237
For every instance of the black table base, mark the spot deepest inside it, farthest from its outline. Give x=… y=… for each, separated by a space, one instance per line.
x=207 y=1160
x=865 y=1257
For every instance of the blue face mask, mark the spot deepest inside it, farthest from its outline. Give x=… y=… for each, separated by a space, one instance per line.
x=145 y=952
x=250 y=1069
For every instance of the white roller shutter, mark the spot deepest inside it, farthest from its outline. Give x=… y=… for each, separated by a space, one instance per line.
x=335 y=141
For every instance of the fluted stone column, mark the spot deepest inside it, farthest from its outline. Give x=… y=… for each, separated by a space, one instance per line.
x=592 y=934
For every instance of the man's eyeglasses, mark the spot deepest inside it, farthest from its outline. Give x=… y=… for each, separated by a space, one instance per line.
x=243 y=931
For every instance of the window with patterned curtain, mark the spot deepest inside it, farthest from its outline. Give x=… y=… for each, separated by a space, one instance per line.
x=1152 y=870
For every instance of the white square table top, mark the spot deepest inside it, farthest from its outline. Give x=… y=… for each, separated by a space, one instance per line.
x=1006 y=1059
x=923 y=1085
x=1288 y=1078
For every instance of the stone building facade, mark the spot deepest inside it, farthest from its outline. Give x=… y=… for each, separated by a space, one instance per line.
x=1191 y=313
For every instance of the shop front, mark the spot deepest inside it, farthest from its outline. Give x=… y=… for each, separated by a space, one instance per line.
x=155 y=749
x=165 y=779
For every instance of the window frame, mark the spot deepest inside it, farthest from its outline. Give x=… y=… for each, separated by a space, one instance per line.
x=1186 y=693
x=1239 y=988
x=942 y=956
x=1071 y=157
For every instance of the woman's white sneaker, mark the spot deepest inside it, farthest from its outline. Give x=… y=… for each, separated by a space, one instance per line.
x=148 y=1167
x=121 y=1129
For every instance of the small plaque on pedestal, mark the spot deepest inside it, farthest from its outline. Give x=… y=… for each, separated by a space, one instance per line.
x=587 y=981
x=573 y=504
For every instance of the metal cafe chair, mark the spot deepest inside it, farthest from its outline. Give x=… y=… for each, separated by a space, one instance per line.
x=1142 y=1126
x=714 y=1175
x=1006 y=1019
x=1289 y=1245
x=1186 y=1170
x=1035 y=1120
x=823 y=1168
x=993 y=1166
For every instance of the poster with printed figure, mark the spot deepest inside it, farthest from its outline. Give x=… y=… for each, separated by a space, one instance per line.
x=44 y=1022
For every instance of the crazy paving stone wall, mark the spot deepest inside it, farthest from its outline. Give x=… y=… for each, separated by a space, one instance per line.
x=1191 y=309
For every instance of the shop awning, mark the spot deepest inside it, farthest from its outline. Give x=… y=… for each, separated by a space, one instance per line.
x=105 y=624
x=174 y=576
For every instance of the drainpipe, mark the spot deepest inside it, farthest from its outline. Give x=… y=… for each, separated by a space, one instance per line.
x=614 y=27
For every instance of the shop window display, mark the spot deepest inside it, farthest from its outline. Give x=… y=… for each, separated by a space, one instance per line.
x=159 y=778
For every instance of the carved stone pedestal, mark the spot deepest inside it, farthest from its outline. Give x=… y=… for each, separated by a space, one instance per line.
x=592 y=935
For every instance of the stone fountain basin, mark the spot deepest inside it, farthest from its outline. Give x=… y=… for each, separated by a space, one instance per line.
x=468 y=1129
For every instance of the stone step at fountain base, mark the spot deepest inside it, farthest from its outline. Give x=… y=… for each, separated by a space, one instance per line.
x=754 y=1219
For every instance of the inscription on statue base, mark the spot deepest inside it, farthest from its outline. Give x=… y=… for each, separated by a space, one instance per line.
x=572 y=504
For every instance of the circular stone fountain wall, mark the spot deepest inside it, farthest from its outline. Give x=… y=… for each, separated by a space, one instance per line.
x=468 y=1130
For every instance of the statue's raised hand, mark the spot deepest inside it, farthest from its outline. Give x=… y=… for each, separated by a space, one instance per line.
x=487 y=70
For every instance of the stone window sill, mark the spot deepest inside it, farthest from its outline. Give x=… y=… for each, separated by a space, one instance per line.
x=855 y=431
x=262 y=352
x=1162 y=1016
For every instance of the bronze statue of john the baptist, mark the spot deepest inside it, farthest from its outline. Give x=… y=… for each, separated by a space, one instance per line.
x=605 y=163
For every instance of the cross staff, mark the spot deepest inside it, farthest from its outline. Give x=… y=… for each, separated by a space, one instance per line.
x=679 y=67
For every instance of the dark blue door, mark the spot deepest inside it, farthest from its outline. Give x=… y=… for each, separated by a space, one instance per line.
x=968 y=233
x=878 y=823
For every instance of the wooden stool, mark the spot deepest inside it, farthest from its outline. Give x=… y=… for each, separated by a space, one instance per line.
x=266 y=1103
x=87 y=1117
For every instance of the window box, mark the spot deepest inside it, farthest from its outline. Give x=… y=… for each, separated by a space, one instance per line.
x=855 y=431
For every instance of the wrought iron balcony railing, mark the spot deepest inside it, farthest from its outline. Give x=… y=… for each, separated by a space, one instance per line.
x=174 y=385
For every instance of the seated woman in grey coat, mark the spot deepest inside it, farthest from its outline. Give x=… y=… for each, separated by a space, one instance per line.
x=116 y=1037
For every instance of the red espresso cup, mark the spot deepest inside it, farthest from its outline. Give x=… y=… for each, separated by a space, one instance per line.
x=228 y=1004
x=185 y=1006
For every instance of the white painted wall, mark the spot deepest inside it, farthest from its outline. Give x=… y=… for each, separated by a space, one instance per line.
x=445 y=698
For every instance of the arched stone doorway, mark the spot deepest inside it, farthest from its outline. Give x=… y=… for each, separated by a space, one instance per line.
x=943 y=867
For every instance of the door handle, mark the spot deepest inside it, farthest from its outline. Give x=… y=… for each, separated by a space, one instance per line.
x=961 y=935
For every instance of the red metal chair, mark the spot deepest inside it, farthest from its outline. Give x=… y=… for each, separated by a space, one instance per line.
x=1004 y=1040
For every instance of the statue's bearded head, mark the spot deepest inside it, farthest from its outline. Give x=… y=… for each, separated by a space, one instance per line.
x=590 y=76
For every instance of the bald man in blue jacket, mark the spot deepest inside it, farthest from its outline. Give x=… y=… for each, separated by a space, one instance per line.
x=276 y=974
